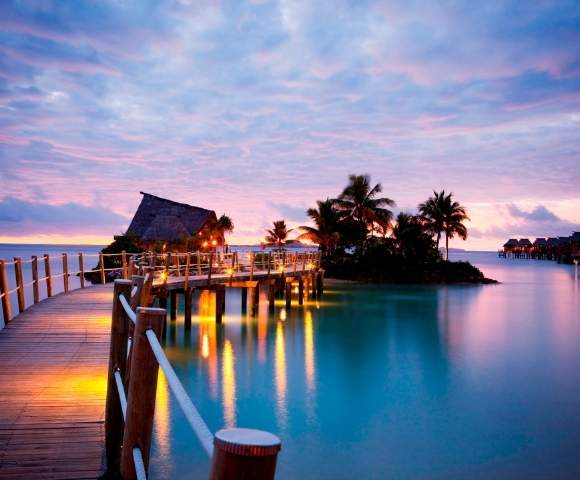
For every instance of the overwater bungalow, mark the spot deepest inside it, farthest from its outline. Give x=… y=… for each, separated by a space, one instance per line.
x=172 y=225
x=562 y=249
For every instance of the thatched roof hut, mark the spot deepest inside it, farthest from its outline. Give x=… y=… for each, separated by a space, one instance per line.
x=511 y=243
x=161 y=220
x=540 y=242
x=524 y=242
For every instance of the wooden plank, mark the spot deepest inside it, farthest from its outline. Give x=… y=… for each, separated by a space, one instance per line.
x=54 y=360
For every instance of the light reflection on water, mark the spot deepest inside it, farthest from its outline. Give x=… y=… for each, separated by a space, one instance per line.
x=399 y=381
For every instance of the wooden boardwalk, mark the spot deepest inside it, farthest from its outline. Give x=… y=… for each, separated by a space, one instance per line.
x=53 y=377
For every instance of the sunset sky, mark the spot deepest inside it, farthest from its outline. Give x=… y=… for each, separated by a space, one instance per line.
x=259 y=108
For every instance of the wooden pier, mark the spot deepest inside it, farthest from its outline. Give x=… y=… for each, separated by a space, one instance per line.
x=53 y=360
x=79 y=368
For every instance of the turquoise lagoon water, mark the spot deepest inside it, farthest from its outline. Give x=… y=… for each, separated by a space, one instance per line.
x=405 y=382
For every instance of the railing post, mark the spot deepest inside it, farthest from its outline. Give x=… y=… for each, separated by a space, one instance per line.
x=102 y=269
x=124 y=270
x=269 y=264
x=117 y=361
x=210 y=267
x=19 y=283
x=47 y=275
x=187 y=265
x=252 y=259
x=141 y=391
x=243 y=453
x=65 y=272
x=35 y=289
x=198 y=258
x=81 y=270
x=4 y=289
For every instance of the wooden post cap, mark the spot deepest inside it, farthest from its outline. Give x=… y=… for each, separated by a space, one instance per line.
x=247 y=442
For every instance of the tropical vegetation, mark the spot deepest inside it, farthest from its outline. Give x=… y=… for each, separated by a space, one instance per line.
x=360 y=238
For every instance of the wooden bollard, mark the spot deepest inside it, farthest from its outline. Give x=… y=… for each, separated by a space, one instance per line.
x=141 y=391
x=319 y=283
x=271 y=294
x=102 y=268
x=288 y=289
x=220 y=300
x=187 y=309
x=19 y=284
x=117 y=361
x=47 y=275
x=173 y=304
x=254 y=299
x=243 y=453
x=300 y=291
x=65 y=272
x=244 y=299
x=35 y=289
x=81 y=270
x=4 y=289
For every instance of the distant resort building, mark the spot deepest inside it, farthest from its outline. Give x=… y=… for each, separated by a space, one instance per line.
x=159 y=222
x=562 y=249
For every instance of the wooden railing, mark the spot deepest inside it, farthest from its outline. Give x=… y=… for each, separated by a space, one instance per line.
x=49 y=279
x=135 y=357
x=168 y=267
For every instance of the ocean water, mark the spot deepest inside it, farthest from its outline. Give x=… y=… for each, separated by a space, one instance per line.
x=405 y=382
x=372 y=382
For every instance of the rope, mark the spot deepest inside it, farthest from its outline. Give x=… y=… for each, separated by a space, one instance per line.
x=193 y=417
x=121 y=392
x=130 y=313
x=139 y=465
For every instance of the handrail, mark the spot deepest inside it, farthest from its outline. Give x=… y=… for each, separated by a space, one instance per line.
x=195 y=420
x=174 y=265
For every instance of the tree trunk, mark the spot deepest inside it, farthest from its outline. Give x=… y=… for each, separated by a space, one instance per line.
x=446 y=246
x=438 y=239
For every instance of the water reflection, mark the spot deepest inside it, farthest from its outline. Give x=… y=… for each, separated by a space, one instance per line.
x=480 y=380
x=162 y=421
x=280 y=376
x=229 y=385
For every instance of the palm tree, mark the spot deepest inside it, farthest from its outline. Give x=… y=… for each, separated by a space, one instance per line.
x=444 y=215
x=326 y=219
x=359 y=202
x=224 y=225
x=278 y=234
x=431 y=212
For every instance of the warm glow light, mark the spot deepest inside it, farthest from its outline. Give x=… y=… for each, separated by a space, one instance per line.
x=229 y=385
x=230 y=271
x=296 y=289
x=280 y=375
x=309 y=266
x=162 y=419
x=205 y=346
x=205 y=244
x=281 y=268
x=214 y=242
x=163 y=276
x=309 y=351
x=283 y=314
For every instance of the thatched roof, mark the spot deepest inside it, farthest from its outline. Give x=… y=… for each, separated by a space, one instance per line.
x=159 y=219
x=512 y=242
x=552 y=241
x=575 y=237
x=540 y=242
x=524 y=242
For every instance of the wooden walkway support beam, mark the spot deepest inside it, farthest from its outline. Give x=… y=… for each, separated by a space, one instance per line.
x=141 y=391
x=35 y=289
x=65 y=272
x=4 y=289
x=114 y=422
x=47 y=276
x=19 y=284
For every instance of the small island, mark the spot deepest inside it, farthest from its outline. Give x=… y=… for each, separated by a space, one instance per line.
x=361 y=239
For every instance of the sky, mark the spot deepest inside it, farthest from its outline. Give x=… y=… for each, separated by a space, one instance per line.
x=257 y=109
